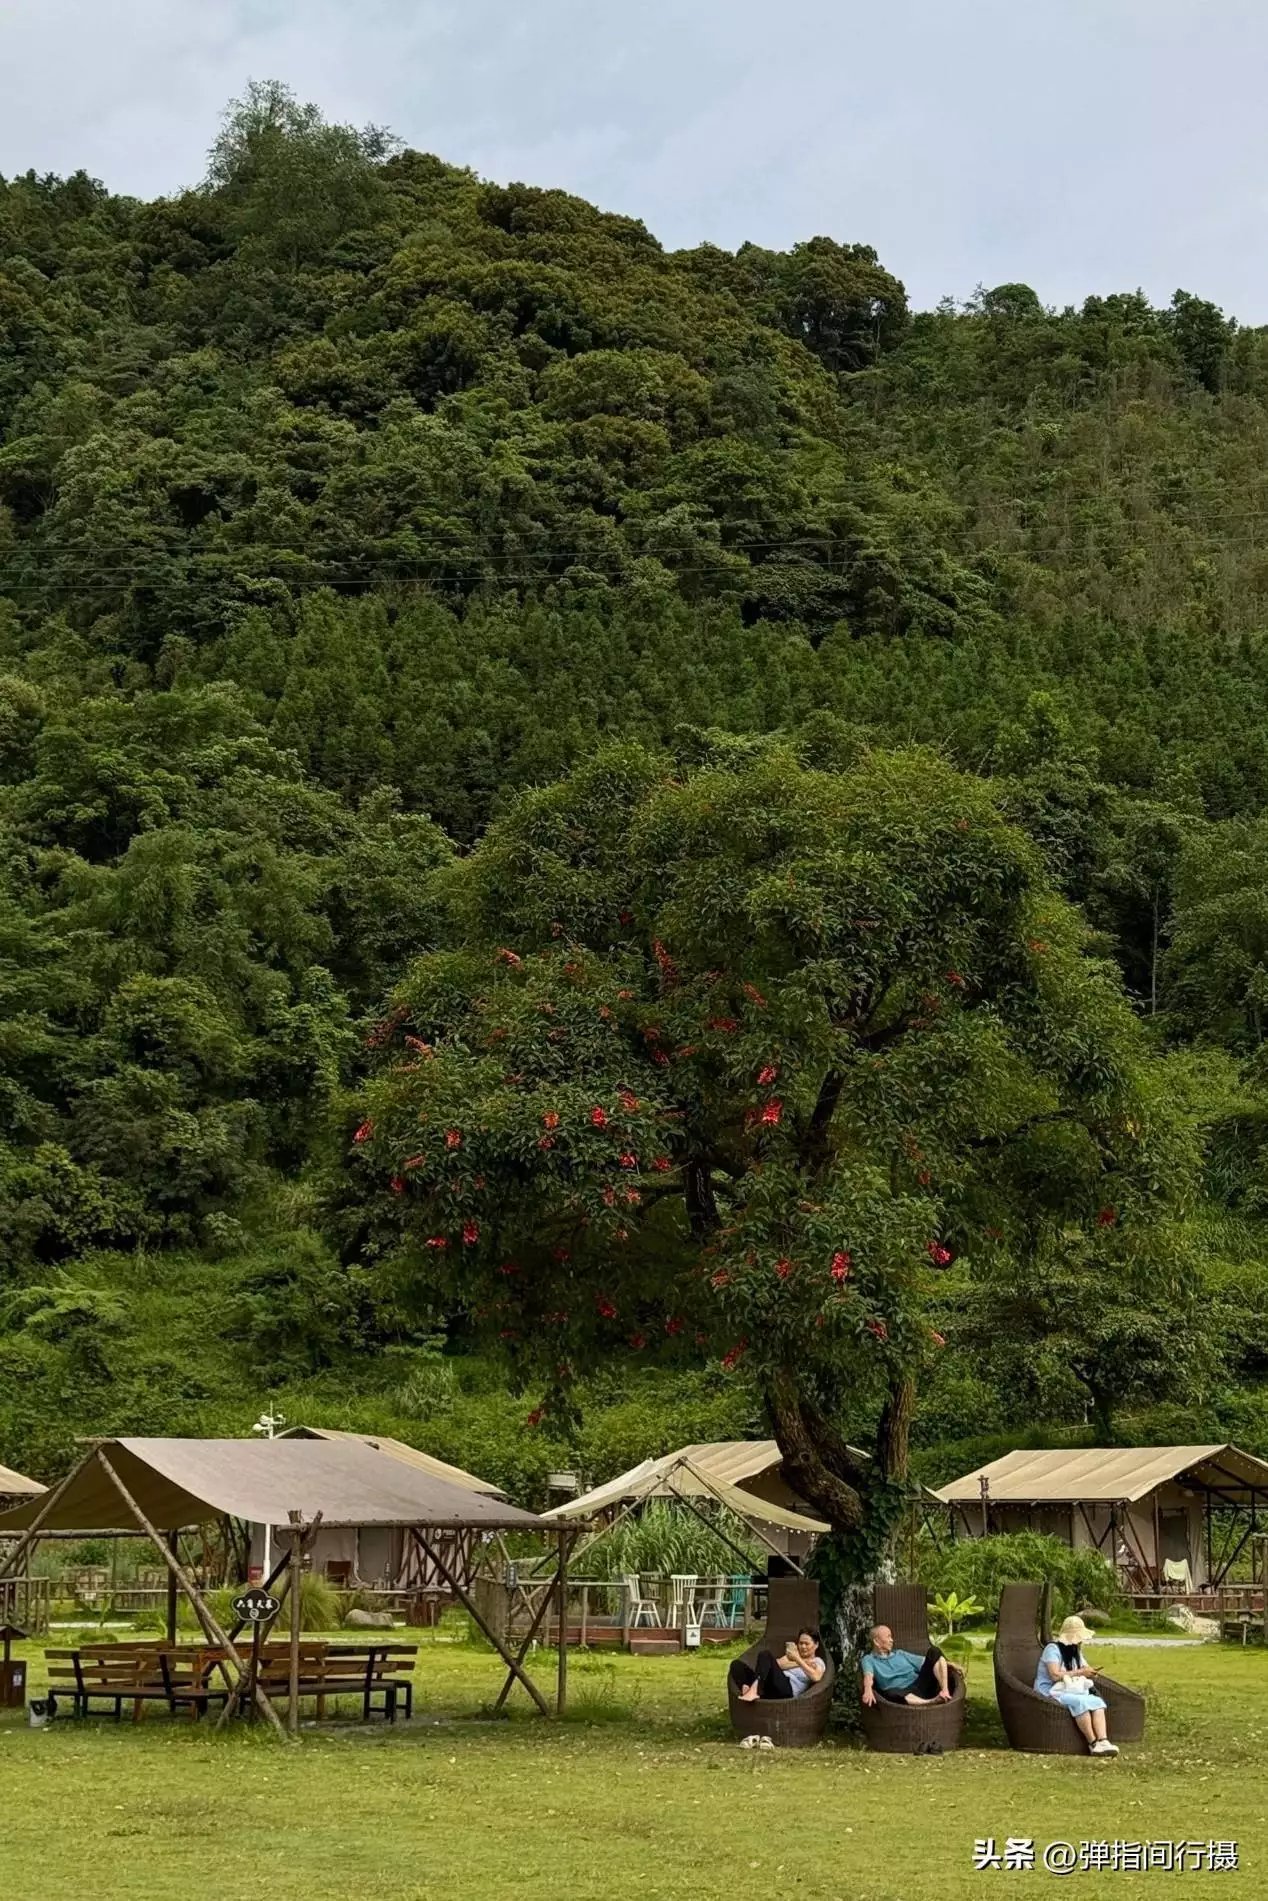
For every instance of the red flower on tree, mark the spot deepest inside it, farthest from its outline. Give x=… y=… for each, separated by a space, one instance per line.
x=732 y=1359
x=638 y=1341
x=438 y=1241
x=767 y=1074
x=609 y=1197
x=939 y=1339
x=629 y=1161
x=508 y=1267
x=415 y=1161
x=661 y=1164
x=453 y=1138
x=509 y=957
x=398 y=1184
x=417 y=1043
x=720 y=1279
x=954 y=977
x=628 y=1100
x=1107 y=1217
x=536 y=1416
x=605 y=1307
x=755 y=996
x=940 y=1256
x=840 y=1265
x=364 y=1133
x=784 y=1268
x=673 y=1324
x=546 y=1142
x=727 y=1024
x=471 y=1233
x=771 y=1114
x=879 y=1328
x=599 y=1117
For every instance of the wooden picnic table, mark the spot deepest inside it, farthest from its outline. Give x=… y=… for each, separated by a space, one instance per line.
x=375 y=1670
x=179 y=1675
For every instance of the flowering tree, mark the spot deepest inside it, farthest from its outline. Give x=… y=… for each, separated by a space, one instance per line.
x=735 y=1065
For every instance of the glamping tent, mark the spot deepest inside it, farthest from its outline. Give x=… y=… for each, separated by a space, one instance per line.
x=14 y=1488
x=1163 y=1515
x=163 y=1487
x=380 y=1556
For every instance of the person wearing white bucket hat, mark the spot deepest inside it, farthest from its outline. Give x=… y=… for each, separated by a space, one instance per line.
x=1065 y=1676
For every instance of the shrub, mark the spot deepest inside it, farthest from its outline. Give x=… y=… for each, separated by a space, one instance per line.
x=980 y=1567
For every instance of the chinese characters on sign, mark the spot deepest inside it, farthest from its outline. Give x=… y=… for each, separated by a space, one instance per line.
x=1018 y=1852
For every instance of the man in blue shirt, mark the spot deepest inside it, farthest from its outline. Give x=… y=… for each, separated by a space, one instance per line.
x=900 y=1676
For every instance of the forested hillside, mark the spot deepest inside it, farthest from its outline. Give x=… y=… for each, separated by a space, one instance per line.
x=346 y=497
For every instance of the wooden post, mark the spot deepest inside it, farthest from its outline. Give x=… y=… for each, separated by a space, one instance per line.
x=561 y=1685
x=1157 y=1544
x=984 y=1487
x=297 y=1559
x=173 y=1539
x=585 y=1608
x=201 y=1610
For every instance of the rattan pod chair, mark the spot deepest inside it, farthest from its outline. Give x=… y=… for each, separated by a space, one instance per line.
x=1033 y=1722
x=792 y=1604
x=905 y=1729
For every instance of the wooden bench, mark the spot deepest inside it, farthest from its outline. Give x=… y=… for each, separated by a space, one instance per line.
x=370 y=1672
x=136 y=1673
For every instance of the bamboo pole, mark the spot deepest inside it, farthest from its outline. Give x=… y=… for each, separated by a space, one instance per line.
x=297 y=1559
x=191 y=1590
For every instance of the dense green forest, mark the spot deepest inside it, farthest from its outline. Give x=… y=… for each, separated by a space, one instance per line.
x=348 y=500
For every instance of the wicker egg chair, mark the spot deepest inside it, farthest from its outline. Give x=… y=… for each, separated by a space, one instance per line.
x=1033 y=1722
x=792 y=1604
x=905 y=1729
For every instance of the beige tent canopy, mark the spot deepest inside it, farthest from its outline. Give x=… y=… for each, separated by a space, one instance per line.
x=14 y=1485
x=742 y=1474
x=185 y=1482
x=1110 y=1473
x=396 y=1449
x=1148 y=1509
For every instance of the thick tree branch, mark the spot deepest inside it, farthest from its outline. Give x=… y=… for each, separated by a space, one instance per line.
x=893 y=1431
x=811 y=1453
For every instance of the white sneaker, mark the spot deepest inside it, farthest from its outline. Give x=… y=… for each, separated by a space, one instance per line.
x=749 y=1742
x=766 y=1742
x=1102 y=1749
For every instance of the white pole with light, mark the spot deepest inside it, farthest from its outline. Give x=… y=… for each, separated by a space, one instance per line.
x=266 y=1425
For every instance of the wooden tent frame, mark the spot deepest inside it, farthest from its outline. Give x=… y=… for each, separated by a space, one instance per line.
x=245 y=1689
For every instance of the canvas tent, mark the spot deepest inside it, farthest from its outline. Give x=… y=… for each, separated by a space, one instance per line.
x=386 y=1556
x=1153 y=1511
x=744 y=1475
x=165 y=1486
x=14 y=1486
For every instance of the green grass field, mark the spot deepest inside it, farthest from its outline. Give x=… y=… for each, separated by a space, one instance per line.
x=642 y=1794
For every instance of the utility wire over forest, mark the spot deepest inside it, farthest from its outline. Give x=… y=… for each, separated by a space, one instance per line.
x=375 y=538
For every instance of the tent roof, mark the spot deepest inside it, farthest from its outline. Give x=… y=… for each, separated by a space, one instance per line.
x=712 y=1469
x=397 y=1449
x=179 y=1482
x=13 y=1485
x=1108 y=1475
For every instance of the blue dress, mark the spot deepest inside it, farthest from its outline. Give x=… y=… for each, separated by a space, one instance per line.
x=1072 y=1700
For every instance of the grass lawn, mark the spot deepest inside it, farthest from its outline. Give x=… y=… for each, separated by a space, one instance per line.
x=643 y=1795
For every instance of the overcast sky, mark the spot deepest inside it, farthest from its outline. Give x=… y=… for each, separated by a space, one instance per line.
x=1075 y=145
